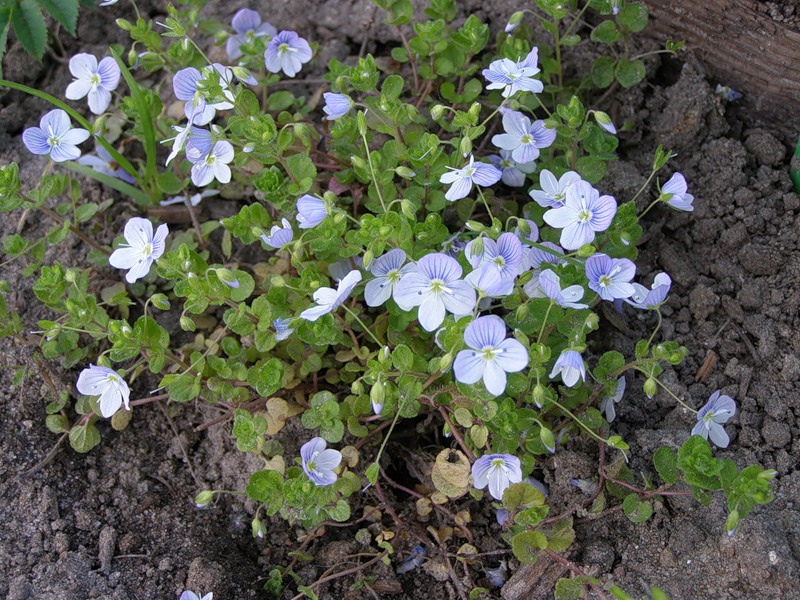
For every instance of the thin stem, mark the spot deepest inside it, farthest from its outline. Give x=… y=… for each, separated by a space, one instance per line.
x=360 y=322
x=579 y=422
x=544 y=323
x=486 y=204
x=83 y=237
x=456 y=435
x=577 y=19
x=671 y=393
x=641 y=189
x=658 y=326
x=372 y=171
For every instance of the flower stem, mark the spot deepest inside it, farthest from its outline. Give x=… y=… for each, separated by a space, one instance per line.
x=366 y=329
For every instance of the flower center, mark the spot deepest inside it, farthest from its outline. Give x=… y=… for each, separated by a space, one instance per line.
x=499 y=261
x=211 y=159
x=469 y=171
x=53 y=141
x=498 y=463
x=506 y=164
x=489 y=354
x=604 y=281
x=147 y=250
x=526 y=138
x=112 y=378
x=284 y=49
x=708 y=417
x=439 y=286
x=94 y=80
x=584 y=216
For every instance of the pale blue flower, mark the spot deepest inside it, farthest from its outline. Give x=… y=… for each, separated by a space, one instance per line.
x=727 y=92
x=554 y=191
x=187 y=595
x=610 y=277
x=248 y=27
x=287 y=52
x=488 y=282
x=328 y=299
x=651 y=298
x=108 y=385
x=711 y=417
x=311 y=211
x=550 y=285
x=608 y=403
x=103 y=163
x=319 y=463
x=279 y=235
x=436 y=288
x=94 y=80
x=55 y=136
x=570 y=366
x=482 y=174
x=674 y=193
x=336 y=105
x=534 y=258
x=212 y=164
x=196 y=109
x=388 y=270
x=584 y=213
x=283 y=328
x=523 y=138
x=505 y=255
x=412 y=562
x=142 y=250
x=498 y=471
x=513 y=77
x=532 y=236
x=513 y=172
x=490 y=355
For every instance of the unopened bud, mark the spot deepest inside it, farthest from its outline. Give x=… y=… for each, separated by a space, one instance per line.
x=204 y=498
x=650 y=387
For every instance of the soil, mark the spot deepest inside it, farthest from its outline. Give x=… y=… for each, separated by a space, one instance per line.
x=119 y=522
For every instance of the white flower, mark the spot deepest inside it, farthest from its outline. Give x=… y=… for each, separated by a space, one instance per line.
x=106 y=383
x=554 y=191
x=143 y=248
x=387 y=269
x=279 y=235
x=93 y=79
x=480 y=173
x=319 y=463
x=211 y=165
x=571 y=368
x=328 y=299
x=498 y=471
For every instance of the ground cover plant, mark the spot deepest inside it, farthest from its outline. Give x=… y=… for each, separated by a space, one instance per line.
x=419 y=280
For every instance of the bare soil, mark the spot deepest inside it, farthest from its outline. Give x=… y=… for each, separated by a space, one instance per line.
x=119 y=523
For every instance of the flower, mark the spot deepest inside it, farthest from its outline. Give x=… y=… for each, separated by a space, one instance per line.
x=319 y=463
x=654 y=297
x=187 y=595
x=674 y=193
x=311 y=211
x=533 y=258
x=197 y=110
x=570 y=366
x=488 y=283
x=283 y=328
x=55 y=137
x=504 y=255
x=287 y=52
x=180 y=140
x=554 y=191
x=194 y=199
x=413 y=561
x=211 y=164
x=336 y=105
x=108 y=385
x=435 y=287
x=610 y=277
x=387 y=269
x=103 y=163
x=513 y=77
x=550 y=284
x=248 y=27
x=279 y=235
x=328 y=299
x=710 y=418
x=491 y=355
x=462 y=179
x=498 y=471
x=142 y=250
x=513 y=172
x=607 y=404
x=522 y=138
x=92 y=79
x=584 y=213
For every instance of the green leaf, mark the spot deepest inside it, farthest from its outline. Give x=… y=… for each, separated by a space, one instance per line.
x=181 y=387
x=85 y=212
x=392 y=87
x=629 y=72
x=83 y=438
x=606 y=33
x=56 y=423
x=402 y=11
x=666 y=463
x=279 y=101
x=633 y=16
x=63 y=11
x=340 y=512
x=591 y=169
x=569 y=589
x=266 y=487
x=638 y=511
x=603 y=71
x=30 y=27
x=526 y=545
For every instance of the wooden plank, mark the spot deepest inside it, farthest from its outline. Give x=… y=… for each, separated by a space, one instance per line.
x=740 y=46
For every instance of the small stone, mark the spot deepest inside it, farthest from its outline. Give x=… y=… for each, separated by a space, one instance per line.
x=106 y=544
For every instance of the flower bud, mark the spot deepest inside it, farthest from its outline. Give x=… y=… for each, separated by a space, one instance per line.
x=227 y=277
x=204 y=498
x=377 y=395
x=277 y=281
x=361 y=120
x=465 y=146
x=538 y=395
x=445 y=362
x=258 y=528
x=160 y=301
x=475 y=226
x=405 y=172
x=548 y=441
x=732 y=522
x=605 y=122
x=514 y=21
x=586 y=250
x=408 y=208
x=438 y=111
x=187 y=324
x=650 y=387
x=369 y=256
